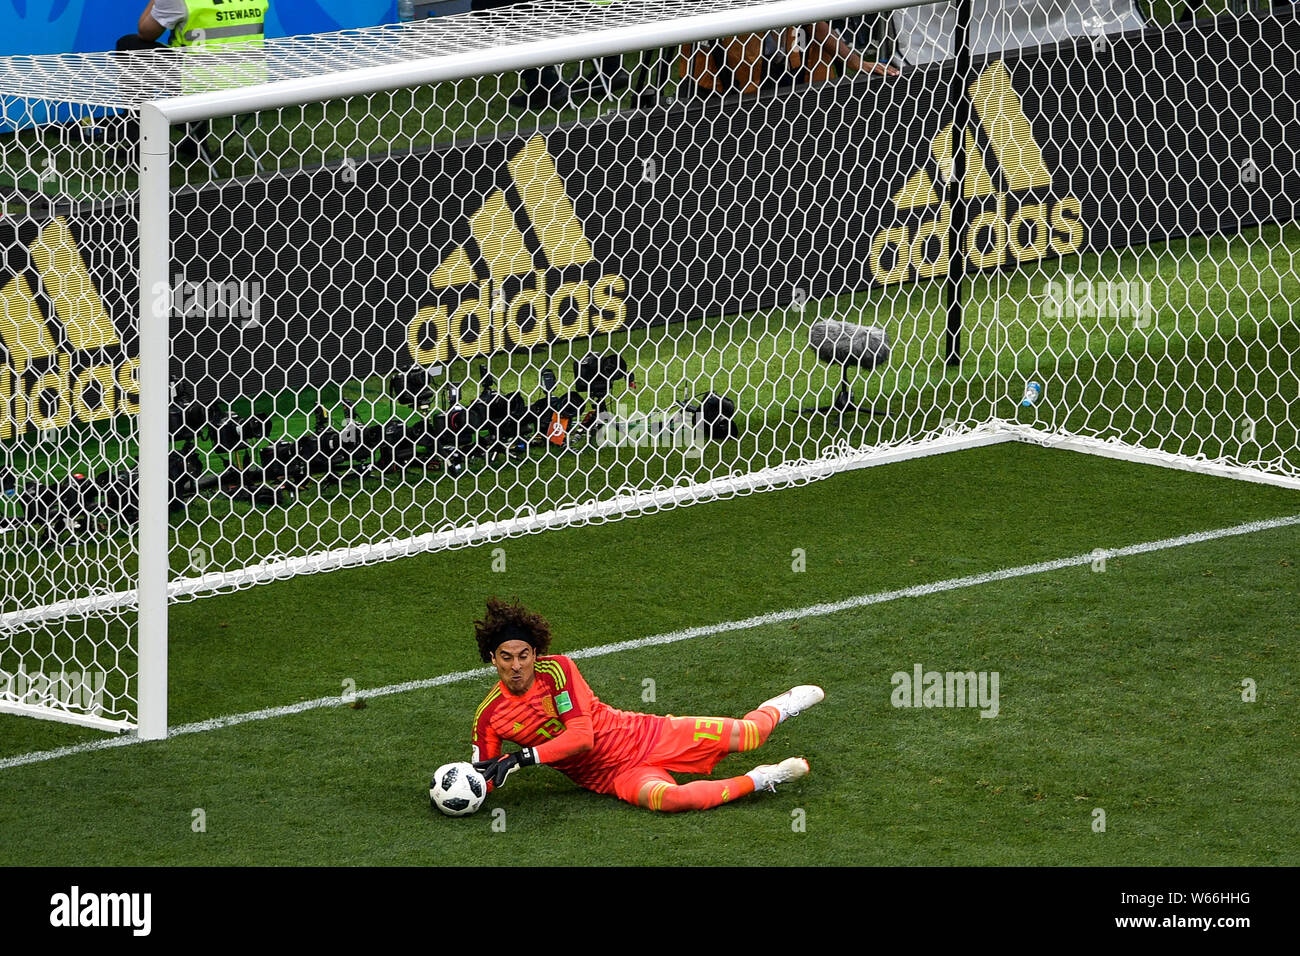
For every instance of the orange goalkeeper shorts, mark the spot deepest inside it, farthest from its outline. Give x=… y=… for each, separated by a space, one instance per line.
x=686 y=745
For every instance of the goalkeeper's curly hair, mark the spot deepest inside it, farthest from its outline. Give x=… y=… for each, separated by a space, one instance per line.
x=502 y=618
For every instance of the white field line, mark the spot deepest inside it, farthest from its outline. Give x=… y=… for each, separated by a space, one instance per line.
x=672 y=637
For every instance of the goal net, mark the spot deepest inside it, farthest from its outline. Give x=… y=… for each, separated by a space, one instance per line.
x=356 y=296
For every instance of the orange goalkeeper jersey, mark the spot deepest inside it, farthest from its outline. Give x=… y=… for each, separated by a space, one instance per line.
x=586 y=740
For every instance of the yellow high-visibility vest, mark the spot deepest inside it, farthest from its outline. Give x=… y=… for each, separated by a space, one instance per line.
x=212 y=23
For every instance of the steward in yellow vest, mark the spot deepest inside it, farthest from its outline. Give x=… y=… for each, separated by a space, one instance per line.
x=221 y=23
x=199 y=23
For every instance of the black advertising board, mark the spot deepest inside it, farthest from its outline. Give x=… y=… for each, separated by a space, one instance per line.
x=693 y=212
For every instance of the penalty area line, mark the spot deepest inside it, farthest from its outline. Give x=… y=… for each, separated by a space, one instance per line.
x=672 y=637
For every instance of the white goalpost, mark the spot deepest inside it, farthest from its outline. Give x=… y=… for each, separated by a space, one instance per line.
x=346 y=298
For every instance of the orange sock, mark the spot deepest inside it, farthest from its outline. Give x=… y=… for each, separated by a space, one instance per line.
x=699 y=795
x=753 y=729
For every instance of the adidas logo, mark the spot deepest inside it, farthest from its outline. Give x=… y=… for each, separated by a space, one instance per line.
x=500 y=248
x=75 y=299
x=995 y=236
x=38 y=388
x=527 y=231
x=1009 y=133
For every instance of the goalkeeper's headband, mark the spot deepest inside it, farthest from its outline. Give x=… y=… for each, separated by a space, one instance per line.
x=513 y=632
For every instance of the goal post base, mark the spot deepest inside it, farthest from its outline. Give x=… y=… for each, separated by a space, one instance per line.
x=66 y=717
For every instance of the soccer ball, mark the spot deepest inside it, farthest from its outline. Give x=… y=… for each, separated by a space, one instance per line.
x=457 y=789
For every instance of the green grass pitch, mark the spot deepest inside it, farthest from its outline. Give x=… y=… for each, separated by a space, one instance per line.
x=1120 y=689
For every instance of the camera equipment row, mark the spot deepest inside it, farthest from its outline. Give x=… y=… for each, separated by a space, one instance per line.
x=495 y=427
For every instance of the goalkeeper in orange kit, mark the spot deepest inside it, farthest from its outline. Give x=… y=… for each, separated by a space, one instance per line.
x=543 y=703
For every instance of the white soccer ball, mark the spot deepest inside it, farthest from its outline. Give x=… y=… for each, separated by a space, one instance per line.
x=457 y=789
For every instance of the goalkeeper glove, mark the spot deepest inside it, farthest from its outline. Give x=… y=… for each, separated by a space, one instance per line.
x=496 y=770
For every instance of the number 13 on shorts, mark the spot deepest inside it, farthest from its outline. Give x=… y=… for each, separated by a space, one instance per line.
x=708 y=728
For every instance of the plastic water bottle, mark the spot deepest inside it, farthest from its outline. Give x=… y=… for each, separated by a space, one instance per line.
x=1033 y=392
x=405 y=11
